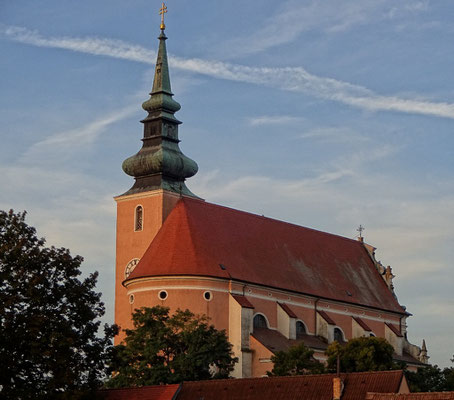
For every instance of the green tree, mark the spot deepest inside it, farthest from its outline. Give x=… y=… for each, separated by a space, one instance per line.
x=361 y=354
x=426 y=379
x=49 y=346
x=298 y=360
x=169 y=349
x=431 y=379
x=449 y=378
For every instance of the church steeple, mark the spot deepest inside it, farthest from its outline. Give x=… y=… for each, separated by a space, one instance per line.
x=160 y=164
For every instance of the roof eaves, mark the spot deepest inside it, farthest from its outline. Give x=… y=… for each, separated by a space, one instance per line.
x=362 y=324
x=326 y=317
x=394 y=329
x=175 y=395
x=242 y=301
x=287 y=309
x=383 y=283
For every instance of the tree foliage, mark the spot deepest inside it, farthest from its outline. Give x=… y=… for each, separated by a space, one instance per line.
x=361 y=354
x=49 y=346
x=298 y=360
x=169 y=349
x=431 y=379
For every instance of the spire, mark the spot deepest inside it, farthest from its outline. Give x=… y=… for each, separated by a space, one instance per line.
x=423 y=356
x=160 y=164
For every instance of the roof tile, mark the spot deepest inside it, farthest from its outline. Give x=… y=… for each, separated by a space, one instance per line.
x=197 y=237
x=275 y=341
x=362 y=324
x=326 y=317
x=242 y=301
x=287 y=309
x=307 y=387
x=411 y=396
x=394 y=329
x=158 y=392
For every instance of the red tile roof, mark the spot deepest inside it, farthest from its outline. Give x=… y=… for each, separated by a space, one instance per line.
x=394 y=329
x=197 y=237
x=358 y=384
x=411 y=396
x=287 y=310
x=362 y=324
x=242 y=301
x=307 y=387
x=326 y=317
x=161 y=392
x=275 y=341
x=407 y=358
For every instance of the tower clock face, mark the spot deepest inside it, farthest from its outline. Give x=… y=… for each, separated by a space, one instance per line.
x=130 y=267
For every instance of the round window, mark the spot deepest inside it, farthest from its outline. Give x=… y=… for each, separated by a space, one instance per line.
x=162 y=295
x=207 y=296
x=131 y=299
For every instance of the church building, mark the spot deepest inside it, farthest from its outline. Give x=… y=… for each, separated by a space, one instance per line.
x=269 y=284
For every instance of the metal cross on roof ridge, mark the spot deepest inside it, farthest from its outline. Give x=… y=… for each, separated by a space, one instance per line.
x=162 y=11
x=360 y=230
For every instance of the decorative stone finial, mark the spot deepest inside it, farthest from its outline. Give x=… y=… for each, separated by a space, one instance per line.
x=423 y=356
x=389 y=276
x=160 y=164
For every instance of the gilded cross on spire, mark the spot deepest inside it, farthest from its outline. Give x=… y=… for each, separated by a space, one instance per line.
x=162 y=11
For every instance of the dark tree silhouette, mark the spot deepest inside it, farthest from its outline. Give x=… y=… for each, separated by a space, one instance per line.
x=49 y=343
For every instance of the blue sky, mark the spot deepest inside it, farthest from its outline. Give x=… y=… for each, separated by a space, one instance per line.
x=327 y=114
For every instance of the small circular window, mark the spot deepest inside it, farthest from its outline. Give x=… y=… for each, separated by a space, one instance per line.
x=162 y=295
x=207 y=296
x=131 y=299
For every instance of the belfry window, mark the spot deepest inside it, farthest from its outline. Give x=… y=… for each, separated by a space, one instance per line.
x=300 y=329
x=138 y=223
x=259 y=322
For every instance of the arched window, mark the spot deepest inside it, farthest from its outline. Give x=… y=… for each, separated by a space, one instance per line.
x=300 y=329
x=338 y=336
x=138 y=224
x=259 y=322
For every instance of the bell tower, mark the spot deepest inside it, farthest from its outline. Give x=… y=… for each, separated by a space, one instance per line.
x=159 y=170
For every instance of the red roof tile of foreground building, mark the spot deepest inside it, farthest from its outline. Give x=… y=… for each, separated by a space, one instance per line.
x=204 y=239
x=307 y=387
x=411 y=396
x=162 y=392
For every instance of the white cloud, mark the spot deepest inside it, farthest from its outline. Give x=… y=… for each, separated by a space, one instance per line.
x=335 y=135
x=88 y=133
x=96 y=46
x=69 y=209
x=274 y=120
x=295 y=79
x=293 y=17
x=63 y=145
